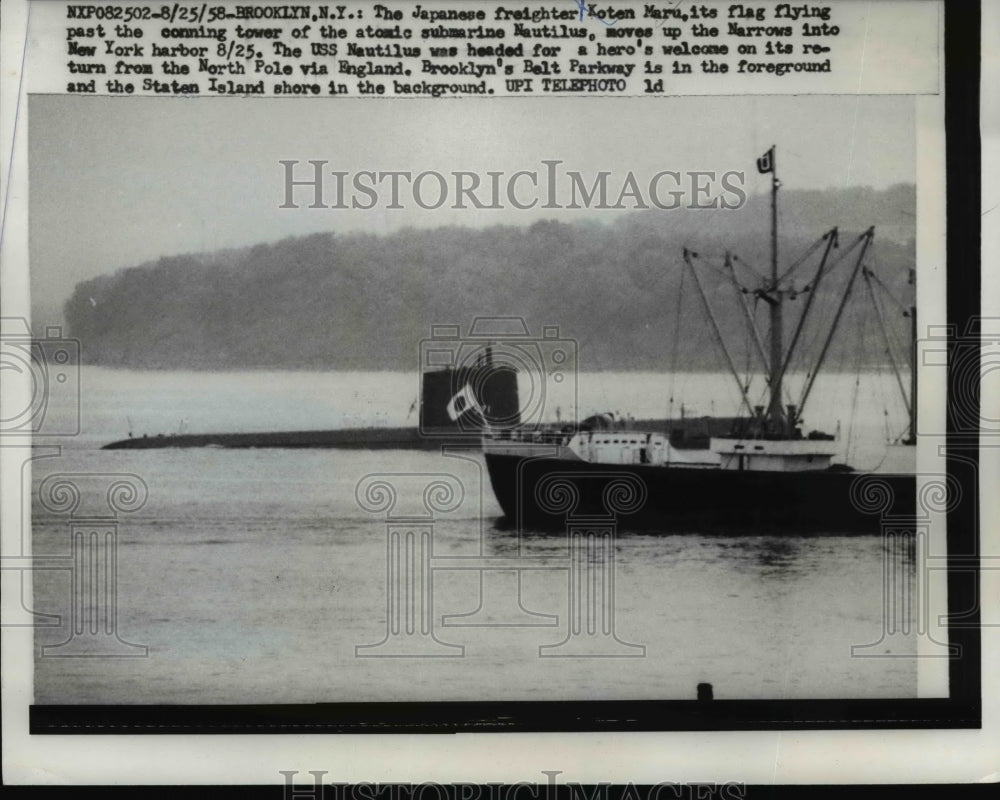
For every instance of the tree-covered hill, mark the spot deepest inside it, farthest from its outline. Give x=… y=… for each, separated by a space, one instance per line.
x=364 y=301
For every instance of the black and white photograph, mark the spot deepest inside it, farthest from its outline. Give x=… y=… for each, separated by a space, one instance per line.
x=514 y=375
x=541 y=413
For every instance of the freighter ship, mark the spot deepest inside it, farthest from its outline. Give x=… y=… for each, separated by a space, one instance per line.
x=760 y=472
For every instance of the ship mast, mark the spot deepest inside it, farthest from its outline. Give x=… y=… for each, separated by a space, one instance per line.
x=778 y=421
x=911 y=437
x=773 y=296
x=777 y=326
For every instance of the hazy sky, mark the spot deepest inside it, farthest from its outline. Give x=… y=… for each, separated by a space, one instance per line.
x=116 y=182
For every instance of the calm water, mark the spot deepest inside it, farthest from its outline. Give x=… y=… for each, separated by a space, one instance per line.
x=251 y=576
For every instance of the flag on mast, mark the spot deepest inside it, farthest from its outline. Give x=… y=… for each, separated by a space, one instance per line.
x=765 y=163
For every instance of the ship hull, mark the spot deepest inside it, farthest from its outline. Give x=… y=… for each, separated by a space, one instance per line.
x=546 y=493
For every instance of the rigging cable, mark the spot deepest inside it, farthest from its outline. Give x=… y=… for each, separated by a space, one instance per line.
x=801 y=259
x=750 y=318
x=720 y=342
x=885 y=335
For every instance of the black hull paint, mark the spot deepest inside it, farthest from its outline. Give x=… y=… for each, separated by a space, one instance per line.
x=681 y=499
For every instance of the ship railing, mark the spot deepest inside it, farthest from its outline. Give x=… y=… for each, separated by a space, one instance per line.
x=529 y=436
